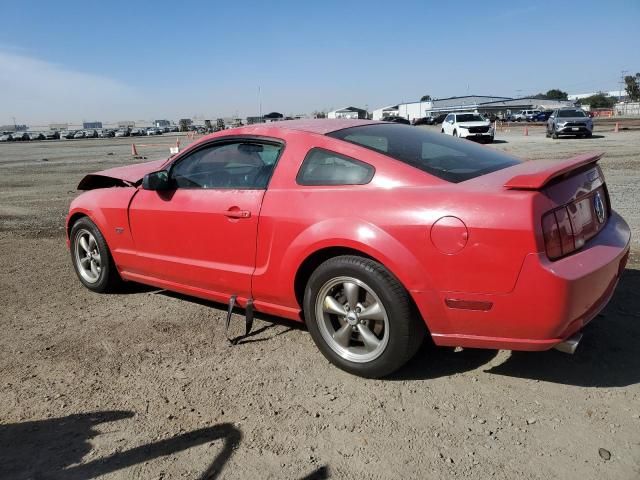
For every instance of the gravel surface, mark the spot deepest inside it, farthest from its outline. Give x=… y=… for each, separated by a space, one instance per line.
x=143 y=384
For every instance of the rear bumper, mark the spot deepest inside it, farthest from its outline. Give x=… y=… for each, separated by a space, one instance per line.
x=550 y=302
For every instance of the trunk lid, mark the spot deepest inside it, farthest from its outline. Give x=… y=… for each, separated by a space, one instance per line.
x=569 y=199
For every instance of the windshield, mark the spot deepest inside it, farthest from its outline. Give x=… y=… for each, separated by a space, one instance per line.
x=571 y=113
x=439 y=155
x=469 y=117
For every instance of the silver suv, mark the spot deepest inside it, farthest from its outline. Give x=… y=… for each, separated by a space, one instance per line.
x=569 y=121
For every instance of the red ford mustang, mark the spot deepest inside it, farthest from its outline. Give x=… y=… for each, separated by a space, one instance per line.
x=372 y=233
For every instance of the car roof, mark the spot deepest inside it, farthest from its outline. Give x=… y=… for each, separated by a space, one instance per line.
x=321 y=126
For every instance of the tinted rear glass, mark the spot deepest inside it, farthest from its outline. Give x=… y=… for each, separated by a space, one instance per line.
x=440 y=155
x=570 y=113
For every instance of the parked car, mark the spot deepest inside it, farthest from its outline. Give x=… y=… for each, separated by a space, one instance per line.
x=20 y=136
x=123 y=132
x=6 y=137
x=530 y=114
x=542 y=116
x=374 y=234
x=440 y=118
x=104 y=133
x=52 y=135
x=522 y=115
x=136 y=132
x=423 y=121
x=396 y=119
x=90 y=133
x=569 y=121
x=79 y=134
x=468 y=125
x=68 y=134
x=153 y=131
x=36 y=135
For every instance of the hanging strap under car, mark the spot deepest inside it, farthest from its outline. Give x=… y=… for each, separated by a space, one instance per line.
x=248 y=319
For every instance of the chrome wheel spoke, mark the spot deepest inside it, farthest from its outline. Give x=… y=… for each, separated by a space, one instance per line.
x=97 y=259
x=84 y=244
x=370 y=341
x=331 y=305
x=92 y=243
x=94 y=269
x=351 y=291
x=84 y=261
x=343 y=335
x=372 y=312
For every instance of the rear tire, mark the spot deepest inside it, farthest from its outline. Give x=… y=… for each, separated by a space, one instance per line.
x=92 y=259
x=554 y=134
x=455 y=133
x=375 y=336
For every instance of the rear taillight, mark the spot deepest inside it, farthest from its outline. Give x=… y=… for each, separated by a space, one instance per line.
x=567 y=228
x=558 y=233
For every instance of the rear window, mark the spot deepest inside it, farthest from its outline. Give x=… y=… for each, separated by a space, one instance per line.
x=571 y=113
x=439 y=155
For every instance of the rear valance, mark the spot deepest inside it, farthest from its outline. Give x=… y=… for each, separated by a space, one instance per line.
x=535 y=174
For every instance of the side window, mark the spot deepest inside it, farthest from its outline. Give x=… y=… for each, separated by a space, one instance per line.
x=322 y=167
x=242 y=165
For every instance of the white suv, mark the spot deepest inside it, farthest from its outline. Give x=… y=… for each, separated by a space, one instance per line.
x=468 y=125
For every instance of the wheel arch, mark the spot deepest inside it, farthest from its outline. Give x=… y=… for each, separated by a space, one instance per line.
x=316 y=258
x=73 y=218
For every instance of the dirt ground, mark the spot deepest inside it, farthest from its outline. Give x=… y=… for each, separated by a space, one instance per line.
x=143 y=384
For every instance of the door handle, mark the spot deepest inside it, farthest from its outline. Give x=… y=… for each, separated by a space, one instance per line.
x=235 y=212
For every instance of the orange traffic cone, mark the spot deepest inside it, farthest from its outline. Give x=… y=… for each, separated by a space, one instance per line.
x=526 y=131
x=617 y=128
x=134 y=151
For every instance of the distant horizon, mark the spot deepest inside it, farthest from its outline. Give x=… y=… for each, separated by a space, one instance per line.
x=85 y=61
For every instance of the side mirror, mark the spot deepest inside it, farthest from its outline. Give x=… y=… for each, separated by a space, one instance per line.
x=156 y=181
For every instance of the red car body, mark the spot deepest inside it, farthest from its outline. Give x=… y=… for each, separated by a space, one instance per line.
x=473 y=255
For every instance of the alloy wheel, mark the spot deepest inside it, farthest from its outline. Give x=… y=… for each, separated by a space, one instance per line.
x=352 y=319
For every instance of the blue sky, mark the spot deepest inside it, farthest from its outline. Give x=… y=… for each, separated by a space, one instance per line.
x=68 y=61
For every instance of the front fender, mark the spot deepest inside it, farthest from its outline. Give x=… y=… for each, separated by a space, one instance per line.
x=107 y=208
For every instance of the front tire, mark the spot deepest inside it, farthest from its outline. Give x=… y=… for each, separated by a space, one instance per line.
x=91 y=257
x=360 y=316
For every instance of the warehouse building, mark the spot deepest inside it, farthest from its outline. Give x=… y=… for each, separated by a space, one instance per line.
x=489 y=105
x=348 y=112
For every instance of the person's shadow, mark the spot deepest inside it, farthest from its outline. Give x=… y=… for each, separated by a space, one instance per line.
x=55 y=448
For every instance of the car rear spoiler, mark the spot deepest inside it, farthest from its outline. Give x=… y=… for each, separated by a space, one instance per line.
x=535 y=174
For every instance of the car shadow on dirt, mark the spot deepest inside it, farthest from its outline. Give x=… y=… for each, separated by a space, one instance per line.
x=607 y=355
x=53 y=448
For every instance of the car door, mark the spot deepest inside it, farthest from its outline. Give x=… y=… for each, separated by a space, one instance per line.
x=202 y=232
